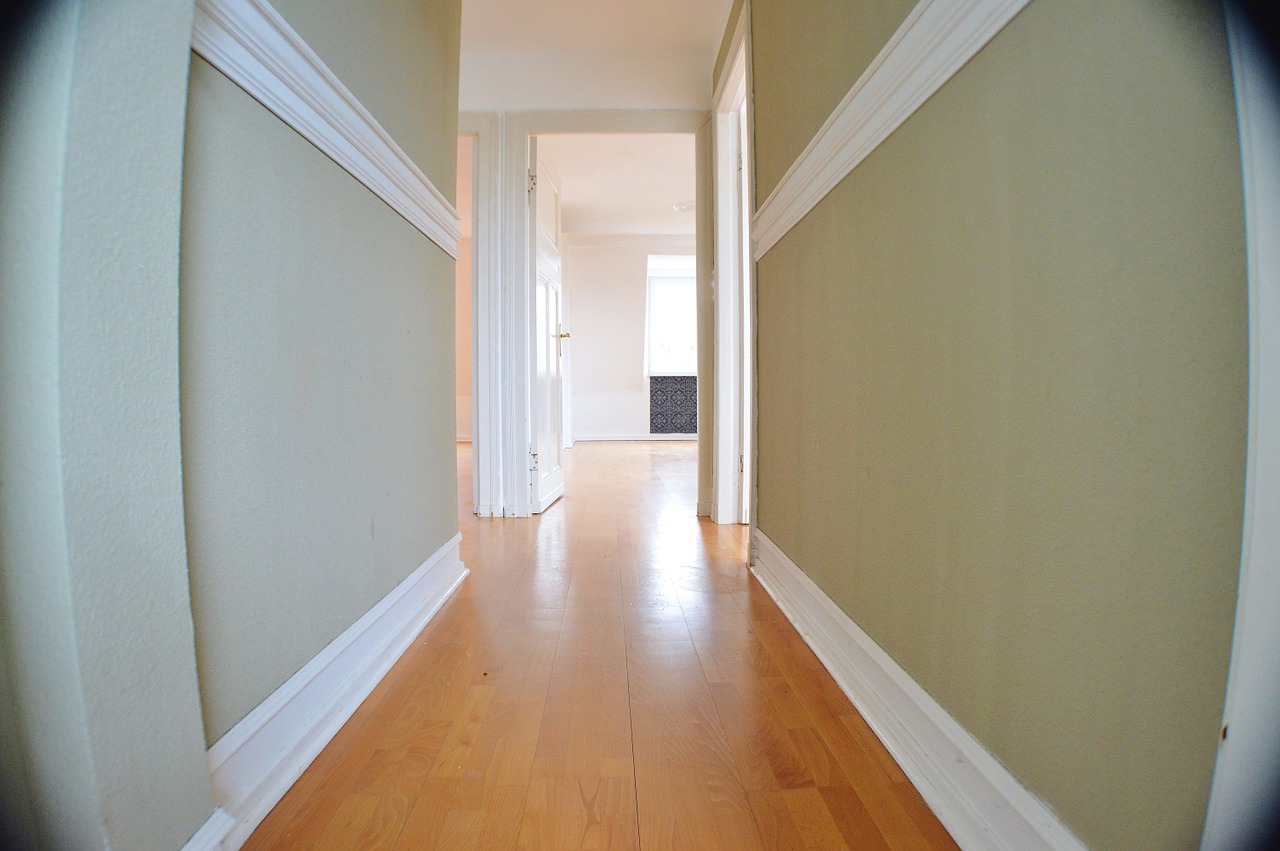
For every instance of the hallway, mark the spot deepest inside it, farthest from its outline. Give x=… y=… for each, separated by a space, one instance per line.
x=610 y=675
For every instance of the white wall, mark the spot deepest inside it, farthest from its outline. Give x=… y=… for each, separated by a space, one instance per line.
x=606 y=280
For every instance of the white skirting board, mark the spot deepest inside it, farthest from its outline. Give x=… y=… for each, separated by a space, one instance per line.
x=256 y=762
x=209 y=837
x=974 y=796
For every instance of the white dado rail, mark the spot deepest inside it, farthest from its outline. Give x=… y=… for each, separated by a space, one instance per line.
x=257 y=49
x=935 y=41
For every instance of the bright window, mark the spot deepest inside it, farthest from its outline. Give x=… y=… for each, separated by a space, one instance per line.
x=671 y=346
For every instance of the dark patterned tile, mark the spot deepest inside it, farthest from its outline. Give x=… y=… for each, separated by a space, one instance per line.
x=673 y=404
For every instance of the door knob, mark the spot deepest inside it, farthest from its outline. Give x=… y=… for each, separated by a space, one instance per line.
x=564 y=336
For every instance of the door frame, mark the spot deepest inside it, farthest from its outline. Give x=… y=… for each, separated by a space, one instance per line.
x=733 y=466
x=487 y=349
x=504 y=369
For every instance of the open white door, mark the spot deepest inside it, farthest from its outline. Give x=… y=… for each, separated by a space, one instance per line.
x=546 y=444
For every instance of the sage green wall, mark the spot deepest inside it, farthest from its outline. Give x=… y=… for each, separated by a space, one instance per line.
x=400 y=59
x=795 y=105
x=1002 y=396
x=726 y=42
x=317 y=363
x=104 y=722
x=42 y=685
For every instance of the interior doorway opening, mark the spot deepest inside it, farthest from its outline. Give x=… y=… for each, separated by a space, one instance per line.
x=602 y=206
x=515 y=348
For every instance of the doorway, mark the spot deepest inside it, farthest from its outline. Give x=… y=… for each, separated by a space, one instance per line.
x=627 y=201
x=508 y=331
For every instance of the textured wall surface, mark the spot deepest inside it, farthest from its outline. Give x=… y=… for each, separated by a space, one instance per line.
x=97 y=628
x=848 y=38
x=1002 y=393
x=317 y=358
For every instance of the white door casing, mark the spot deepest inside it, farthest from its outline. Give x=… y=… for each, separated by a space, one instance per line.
x=733 y=420
x=746 y=325
x=488 y=343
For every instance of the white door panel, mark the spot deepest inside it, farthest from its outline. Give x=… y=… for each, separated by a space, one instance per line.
x=546 y=432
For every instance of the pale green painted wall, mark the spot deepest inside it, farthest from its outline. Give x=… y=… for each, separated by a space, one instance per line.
x=726 y=41
x=97 y=628
x=1002 y=398
x=102 y=740
x=317 y=367
x=42 y=684
x=793 y=105
x=401 y=60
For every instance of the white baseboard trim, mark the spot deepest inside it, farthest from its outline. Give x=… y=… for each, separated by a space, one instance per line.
x=256 y=762
x=209 y=837
x=608 y=437
x=974 y=796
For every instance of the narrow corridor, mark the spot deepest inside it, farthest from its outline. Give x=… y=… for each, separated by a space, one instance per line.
x=610 y=675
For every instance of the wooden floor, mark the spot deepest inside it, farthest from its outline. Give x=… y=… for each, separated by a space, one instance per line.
x=609 y=676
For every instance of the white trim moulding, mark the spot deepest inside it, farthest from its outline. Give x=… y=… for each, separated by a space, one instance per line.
x=935 y=41
x=975 y=797
x=257 y=49
x=209 y=837
x=256 y=762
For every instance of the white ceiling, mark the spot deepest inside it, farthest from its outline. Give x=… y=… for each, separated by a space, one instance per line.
x=599 y=54
x=589 y=54
x=622 y=183
x=596 y=26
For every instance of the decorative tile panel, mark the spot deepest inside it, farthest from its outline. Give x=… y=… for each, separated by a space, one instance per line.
x=673 y=404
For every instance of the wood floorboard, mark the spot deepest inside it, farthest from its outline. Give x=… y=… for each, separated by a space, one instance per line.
x=609 y=676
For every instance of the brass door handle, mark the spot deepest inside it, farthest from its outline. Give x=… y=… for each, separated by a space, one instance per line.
x=564 y=336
